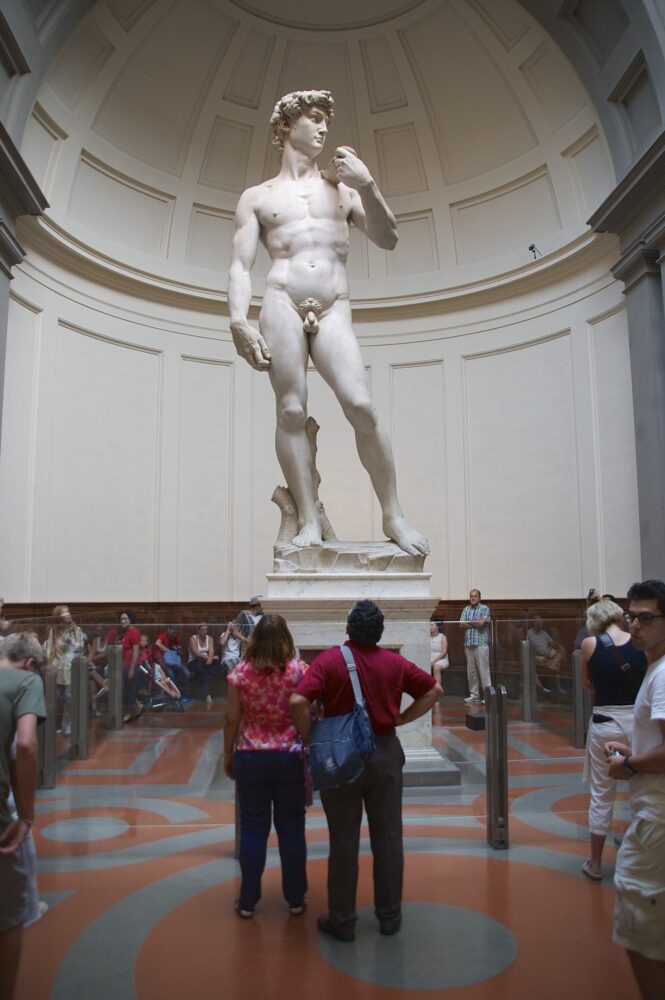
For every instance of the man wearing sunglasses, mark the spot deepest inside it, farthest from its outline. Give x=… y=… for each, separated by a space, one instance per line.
x=639 y=915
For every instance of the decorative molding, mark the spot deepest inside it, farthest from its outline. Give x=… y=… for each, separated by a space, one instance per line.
x=19 y=189
x=636 y=192
x=639 y=262
x=11 y=251
x=11 y=53
x=61 y=248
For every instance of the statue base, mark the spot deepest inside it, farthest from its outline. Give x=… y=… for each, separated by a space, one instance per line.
x=347 y=570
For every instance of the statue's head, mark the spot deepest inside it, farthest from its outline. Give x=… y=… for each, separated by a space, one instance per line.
x=290 y=107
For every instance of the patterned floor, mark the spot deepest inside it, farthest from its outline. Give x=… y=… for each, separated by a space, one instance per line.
x=136 y=861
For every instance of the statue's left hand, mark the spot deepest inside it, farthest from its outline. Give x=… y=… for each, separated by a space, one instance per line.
x=350 y=168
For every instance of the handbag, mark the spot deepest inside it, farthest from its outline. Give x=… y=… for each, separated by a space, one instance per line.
x=340 y=745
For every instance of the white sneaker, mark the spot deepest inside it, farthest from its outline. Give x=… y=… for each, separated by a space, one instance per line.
x=471 y=699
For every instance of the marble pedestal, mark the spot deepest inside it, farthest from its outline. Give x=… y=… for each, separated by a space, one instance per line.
x=317 y=623
x=348 y=571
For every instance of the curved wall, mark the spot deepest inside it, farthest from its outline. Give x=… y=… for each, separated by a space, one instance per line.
x=140 y=448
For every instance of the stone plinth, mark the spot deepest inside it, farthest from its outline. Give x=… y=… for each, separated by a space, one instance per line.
x=317 y=624
x=348 y=571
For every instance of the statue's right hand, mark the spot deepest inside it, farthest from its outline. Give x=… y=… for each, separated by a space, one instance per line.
x=250 y=345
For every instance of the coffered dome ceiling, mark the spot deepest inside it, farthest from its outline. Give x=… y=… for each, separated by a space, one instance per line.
x=153 y=119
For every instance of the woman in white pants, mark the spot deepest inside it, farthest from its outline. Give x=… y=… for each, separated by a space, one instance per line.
x=613 y=669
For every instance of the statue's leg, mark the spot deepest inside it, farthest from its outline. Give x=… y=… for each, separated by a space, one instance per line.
x=281 y=326
x=337 y=357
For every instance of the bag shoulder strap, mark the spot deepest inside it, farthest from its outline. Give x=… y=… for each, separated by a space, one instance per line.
x=609 y=643
x=353 y=674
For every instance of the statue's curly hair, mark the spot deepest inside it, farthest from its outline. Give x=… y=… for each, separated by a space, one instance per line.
x=290 y=107
x=364 y=623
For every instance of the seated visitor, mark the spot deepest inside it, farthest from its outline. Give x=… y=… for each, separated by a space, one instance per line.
x=202 y=659
x=233 y=643
x=548 y=654
x=98 y=660
x=169 y=645
x=152 y=678
x=438 y=650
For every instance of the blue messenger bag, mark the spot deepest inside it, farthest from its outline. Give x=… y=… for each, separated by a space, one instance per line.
x=340 y=745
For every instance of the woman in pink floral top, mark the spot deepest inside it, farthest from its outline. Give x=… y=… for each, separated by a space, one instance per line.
x=262 y=752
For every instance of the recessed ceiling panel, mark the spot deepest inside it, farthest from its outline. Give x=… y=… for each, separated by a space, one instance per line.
x=554 y=85
x=383 y=83
x=509 y=218
x=327 y=16
x=79 y=63
x=476 y=116
x=249 y=73
x=226 y=156
x=151 y=110
x=323 y=65
x=401 y=169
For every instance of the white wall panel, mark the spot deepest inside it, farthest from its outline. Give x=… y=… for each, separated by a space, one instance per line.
x=418 y=432
x=261 y=474
x=521 y=469
x=204 y=479
x=104 y=458
x=345 y=487
x=614 y=435
x=17 y=458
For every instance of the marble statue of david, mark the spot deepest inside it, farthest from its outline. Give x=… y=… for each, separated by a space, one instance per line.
x=302 y=217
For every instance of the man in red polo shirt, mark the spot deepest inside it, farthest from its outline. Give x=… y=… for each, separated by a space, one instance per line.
x=384 y=676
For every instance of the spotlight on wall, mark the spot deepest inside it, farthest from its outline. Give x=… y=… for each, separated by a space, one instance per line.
x=534 y=250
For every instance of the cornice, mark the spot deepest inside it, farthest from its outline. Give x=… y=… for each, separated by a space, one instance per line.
x=635 y=192
x=639 y=261
x=18 y=188
x=11 y=54
x=53 y=243
x=11 y=251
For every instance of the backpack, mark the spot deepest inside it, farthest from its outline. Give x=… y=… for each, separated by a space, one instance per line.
x=340 y=745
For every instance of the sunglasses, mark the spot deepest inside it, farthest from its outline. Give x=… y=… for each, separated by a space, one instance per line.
x=644 y=617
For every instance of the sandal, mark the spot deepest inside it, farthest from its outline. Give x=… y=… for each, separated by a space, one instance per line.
x=591 y=872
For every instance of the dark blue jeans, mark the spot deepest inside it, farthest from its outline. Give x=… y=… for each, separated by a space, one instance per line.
x=271 y=782
x=202 y=672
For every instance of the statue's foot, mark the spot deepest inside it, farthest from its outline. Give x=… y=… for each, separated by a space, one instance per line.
x=309 y=534
x=398 y=529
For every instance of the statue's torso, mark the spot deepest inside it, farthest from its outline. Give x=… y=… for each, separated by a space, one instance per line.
x=305 y=228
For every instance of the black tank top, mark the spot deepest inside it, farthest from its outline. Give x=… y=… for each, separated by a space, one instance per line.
x=616 y=673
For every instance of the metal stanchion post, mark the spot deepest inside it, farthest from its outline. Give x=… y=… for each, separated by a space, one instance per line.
x=583 y=702
x=78 y=749
x=528 y=677
x=115 y=687
x=46 y=735
x=496 y=756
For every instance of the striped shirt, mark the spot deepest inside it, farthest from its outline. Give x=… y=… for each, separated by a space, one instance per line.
x=476 y=636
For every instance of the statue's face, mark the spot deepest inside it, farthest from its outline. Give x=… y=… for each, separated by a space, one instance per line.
x=308 y=133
